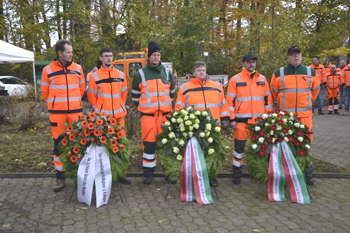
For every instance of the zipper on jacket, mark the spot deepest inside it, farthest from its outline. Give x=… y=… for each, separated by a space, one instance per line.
x=205 y=102
x=53 y=103
x=158 y=97
x=101 y=107
x=296 y=89
x=65 y=73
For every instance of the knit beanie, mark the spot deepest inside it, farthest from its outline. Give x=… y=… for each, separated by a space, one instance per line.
x=153 y=47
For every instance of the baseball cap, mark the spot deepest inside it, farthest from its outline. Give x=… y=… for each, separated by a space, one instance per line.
x=248 y=57
x=293 y=49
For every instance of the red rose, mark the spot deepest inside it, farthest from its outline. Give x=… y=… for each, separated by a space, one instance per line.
x=285 y=130
x=302 y=152
x=254 y=137
x=262 y=133
x=308 y=134
x=263 y=146
x=273 y=127
x=280 y=115
x=280 y=122
x=297 y=143
x=260 y=119
x=291 y=138
x=300 y=133
x=277 y=110
x=280 y=139
x=262 y=152
x=269 y=139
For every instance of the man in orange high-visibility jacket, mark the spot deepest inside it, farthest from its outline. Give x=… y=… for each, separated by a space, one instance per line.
x=203 y=93
x=152 y=90
x=333 y=84
x=341 y=70
x=248 y=97
x=293 y=87
x=62 y=86
x=347 y=89
x=107 y=92
x=326 y=65
x=321 y=75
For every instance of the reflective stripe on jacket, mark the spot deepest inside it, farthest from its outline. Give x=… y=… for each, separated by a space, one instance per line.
x=107 y=92
x=320 y=72
x=207 y=95
x=153 y=89
x=248 y=97
x=333 y=81
x=63 y=87
x=347 y=75
x=294 y=88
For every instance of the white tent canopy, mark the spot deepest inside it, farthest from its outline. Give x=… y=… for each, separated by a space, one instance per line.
x=13 y=54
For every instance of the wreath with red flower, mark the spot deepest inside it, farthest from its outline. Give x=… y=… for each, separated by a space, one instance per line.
x=271 y=128
x=94 y=129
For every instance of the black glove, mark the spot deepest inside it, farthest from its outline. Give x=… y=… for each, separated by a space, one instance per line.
x=224 y=125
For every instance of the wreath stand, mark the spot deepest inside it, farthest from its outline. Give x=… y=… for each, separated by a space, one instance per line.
x=168 y=190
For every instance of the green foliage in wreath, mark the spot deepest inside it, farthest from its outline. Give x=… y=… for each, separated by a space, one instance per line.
x=272 y=128
x=180 y=127
x=94 y=129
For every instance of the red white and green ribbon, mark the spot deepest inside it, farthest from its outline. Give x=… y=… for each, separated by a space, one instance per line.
x=194 y=177
x=283 y=167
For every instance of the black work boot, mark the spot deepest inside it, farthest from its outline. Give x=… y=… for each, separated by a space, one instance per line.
x=330 y=112
x=148 y=179
x=309 y=180
x=320 y=112
x=308 y=175
x=237 y=173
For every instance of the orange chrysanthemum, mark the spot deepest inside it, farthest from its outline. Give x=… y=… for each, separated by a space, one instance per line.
x=76 y=149
x=91 y=126
x=92 y=114
x=83 y=116
x=97 y=132
x=113 y=143
x=110 y=130
x=87 y=132
x=64 y=142
x=115 y=149
x=70 y=128
x=73 y=158
x=99 y=121
x=83 y=141
x=113 y=121
x=84 y=124
x=71 y=137
x=103 y=139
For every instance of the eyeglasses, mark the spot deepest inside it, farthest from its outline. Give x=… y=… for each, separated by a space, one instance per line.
x=107 y=56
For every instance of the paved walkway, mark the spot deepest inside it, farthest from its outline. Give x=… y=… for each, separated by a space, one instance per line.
x=29 y=205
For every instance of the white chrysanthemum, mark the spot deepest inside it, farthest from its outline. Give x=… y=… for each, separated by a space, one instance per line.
x=207 y=134
x=254 y=146
x=188 y=123
x=273 y=121
x=292 y=118
x=175 y=114
x=167 y=123
x=281 y=113
x=196 y=121
x=197 y=113
x=176 y=150
x=208 y=118
x=210 y=140
x=190 y=134
x=261 y=139
x=196 y=126
x=291 y=114
x=272 y=132
x=182 y=128
x=164 y=140
x=257 y=128
x=285 y=120
x=273 y=140
x=290 y=132
x=286 y=139
x=264 y=116
x=181 y=142
x=204 y=113
x=202 y=135
x=302 y=126
x=267 y=124
x=190 y=128
x=179 y=120
x=274 y=114
x=279 y=127
x=296 y=125
x=169 y=128
x=184 y=112
x=307 y=146
x=192 y=116
x=173 y=120
x=186 y=117
x=179 y=157
x=184 y=134
x=189 y=109
x=211 y=151
x=300 y=139
x=171 y=135
x=208 y=126
x=217 y=129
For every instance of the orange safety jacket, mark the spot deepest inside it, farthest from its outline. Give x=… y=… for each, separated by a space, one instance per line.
x=342 y=74
x=320 y=72
x=153 y=89
x=203 y=95
x=294 y=88
x=63 y=87
x=347 y=75
x=327 y=68
x=107 y=92
x=334 y=80
x=248 y=97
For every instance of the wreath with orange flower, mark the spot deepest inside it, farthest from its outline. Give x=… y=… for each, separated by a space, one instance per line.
x=95 y=129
